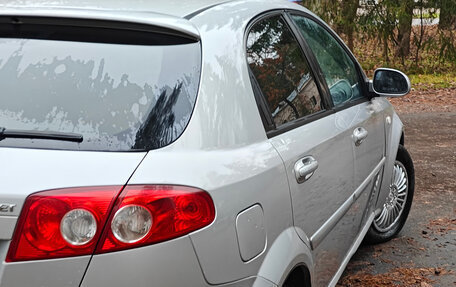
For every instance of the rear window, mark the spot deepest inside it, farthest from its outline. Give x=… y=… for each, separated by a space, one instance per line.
x=119 y=97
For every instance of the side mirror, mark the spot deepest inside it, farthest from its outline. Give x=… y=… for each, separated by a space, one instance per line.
x=390 y=83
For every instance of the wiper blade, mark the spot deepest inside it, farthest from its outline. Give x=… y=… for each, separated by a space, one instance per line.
x=47 y=135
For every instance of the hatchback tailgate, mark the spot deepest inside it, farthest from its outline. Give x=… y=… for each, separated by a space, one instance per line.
x=26 y=171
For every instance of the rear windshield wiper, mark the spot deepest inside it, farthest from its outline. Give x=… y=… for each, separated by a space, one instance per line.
x=47 y=135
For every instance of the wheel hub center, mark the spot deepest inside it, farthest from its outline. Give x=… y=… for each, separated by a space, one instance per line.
x=392 y=196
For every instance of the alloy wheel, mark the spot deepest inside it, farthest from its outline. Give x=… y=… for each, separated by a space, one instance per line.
x=395 y=201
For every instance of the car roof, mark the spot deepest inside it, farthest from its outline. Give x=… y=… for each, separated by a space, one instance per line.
x=177 y=8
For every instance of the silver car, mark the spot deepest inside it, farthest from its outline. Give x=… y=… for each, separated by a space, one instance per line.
x=190 y=143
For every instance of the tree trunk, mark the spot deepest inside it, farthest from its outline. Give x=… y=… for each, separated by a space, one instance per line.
x=385 y=48
x=447 y=15
x=349 y=15
x=404 y=29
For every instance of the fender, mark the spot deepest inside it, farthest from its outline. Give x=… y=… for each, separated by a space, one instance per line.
x=286 y=252
x=393 y=135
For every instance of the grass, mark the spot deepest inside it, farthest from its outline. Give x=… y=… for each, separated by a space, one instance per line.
x=431 y=81
x=427 y=15
x=431 y=71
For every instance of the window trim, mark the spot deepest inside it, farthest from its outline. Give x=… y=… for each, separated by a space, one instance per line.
x=266 y=115
x=299 y=122
x=261 y=102
x=361 y=75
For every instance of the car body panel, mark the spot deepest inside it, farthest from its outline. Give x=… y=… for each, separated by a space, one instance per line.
x=7 y=224
x=173 y=7
x=393 y=133
x=63 y=272
x=369 y=154
x=371 y=151
x=175 y=265
x=324 y=186
x=332 y=185
x=256 y=281
x=236 y=179
x=352 y=251
x=277 y=264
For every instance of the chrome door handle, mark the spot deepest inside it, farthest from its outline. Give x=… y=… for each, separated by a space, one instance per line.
x=305 y=168
x=359 y=135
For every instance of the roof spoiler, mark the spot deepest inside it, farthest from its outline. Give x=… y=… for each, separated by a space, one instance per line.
x=102 y=19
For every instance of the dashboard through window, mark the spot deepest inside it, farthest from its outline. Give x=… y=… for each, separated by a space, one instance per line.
x=282 y=71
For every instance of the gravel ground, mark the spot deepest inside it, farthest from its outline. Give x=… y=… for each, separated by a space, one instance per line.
x=424 y=252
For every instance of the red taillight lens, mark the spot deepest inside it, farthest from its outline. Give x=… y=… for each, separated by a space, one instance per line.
x=174 y=211
x=81 y=221
x=38 y=233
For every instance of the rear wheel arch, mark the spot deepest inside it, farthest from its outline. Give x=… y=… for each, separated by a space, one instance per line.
x=278 y=265
x=402 y=140
x=299 y=276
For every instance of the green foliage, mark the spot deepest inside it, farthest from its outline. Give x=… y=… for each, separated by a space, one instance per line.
x=383 y=35
x=433 y=81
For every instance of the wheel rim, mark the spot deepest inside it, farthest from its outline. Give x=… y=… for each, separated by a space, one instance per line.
x=395 y=201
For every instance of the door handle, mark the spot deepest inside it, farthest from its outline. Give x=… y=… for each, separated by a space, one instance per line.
x=359 y=135
x=305 y=168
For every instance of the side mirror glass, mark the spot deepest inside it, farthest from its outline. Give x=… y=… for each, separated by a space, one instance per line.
x=390 y=83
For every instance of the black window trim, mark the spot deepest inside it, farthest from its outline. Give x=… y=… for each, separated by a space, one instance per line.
x=263 y=108
x=262 y=104
x=363 y=80
x=265 y=113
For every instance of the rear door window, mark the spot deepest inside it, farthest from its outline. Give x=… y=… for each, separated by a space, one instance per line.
x=119 y=96
x=282 y=71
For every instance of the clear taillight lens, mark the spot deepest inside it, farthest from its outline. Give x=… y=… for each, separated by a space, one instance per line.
x=78 y=227
x=87 y=220
x=61 y=223
x=131 y=223
x=174 y=211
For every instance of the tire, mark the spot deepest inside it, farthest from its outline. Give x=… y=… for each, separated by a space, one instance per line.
x=299 y=277
x=390 y=221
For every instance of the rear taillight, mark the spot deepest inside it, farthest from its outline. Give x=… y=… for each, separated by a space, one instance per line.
x=88 y=220
x=48 y=214
x=150 y=214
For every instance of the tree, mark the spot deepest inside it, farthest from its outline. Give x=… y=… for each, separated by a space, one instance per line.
x=340 y=14
x=447 y=27
x=348 y=20
x=405 y=17
x=447 y=14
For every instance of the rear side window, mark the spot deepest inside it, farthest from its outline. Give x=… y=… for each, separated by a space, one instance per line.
x=120 y=97
x=282 y=71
